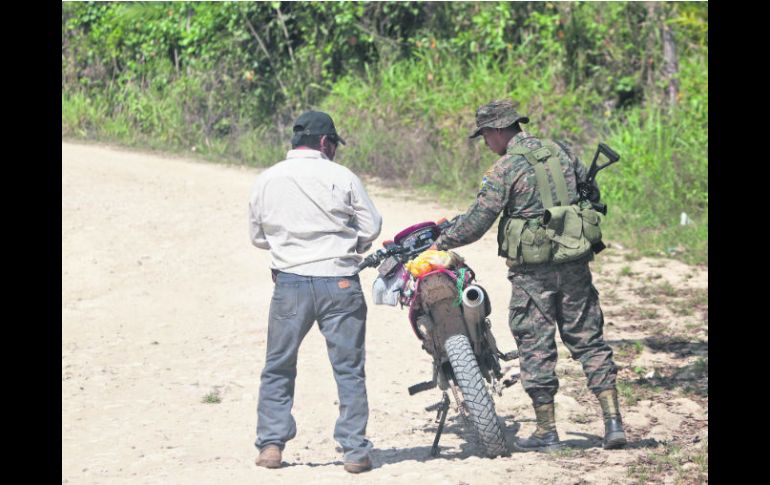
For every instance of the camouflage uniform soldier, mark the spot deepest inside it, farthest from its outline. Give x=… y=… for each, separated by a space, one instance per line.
x=544 y=296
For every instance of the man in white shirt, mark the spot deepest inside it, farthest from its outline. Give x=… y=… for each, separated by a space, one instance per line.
x=315 y=217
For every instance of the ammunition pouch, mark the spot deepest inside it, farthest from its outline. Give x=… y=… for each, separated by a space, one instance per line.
x=563 y=234
x=524 y=241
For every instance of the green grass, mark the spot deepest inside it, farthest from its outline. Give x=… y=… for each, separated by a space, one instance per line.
x=635 y=391
x=668 y=290
x=628 y=392
x=692 y=301
x=685 y=465
x=666 y=238
x=701 y=366
x=212 y=397
x=626 y=271
x=648 y=313
x=407 y=123
x=629 y=350
x=565 y=452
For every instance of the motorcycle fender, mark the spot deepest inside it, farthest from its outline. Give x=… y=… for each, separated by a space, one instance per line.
x=448 y=320
x=438 y=295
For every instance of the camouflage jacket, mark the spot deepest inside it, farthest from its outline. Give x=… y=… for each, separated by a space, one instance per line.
x=510 y=183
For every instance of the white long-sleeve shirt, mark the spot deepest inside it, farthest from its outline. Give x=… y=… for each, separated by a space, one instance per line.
x=313 y=215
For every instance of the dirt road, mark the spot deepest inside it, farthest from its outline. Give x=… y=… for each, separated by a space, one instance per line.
x=164 y=306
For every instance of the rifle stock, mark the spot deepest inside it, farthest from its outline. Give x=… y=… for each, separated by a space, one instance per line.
x=586 y=187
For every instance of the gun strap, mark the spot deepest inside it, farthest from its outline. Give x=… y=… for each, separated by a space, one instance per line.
x=564 y=147
x=575 y=161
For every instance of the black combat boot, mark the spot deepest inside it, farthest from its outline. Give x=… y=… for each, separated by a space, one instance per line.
x=614 y=436
x=545 y=437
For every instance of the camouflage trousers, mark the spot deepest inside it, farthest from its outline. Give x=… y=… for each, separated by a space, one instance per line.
x=558 y=296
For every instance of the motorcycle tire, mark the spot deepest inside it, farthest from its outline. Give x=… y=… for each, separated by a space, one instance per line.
x=478 y=402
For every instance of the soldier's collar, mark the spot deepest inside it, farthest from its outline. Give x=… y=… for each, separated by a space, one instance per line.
x=518 y=138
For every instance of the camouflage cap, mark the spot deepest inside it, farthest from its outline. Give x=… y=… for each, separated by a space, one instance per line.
x=496 y=114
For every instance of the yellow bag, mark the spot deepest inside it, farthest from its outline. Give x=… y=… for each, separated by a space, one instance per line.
x=428 y=261
x=437 y=259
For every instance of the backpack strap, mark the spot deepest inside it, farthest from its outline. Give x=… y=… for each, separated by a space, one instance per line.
x=537 y=158
x=542 y=179
x=556 y=174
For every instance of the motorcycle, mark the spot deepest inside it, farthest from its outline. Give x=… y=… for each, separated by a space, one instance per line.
x=448 y=313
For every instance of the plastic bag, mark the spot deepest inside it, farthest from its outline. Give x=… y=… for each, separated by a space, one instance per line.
x=386 y=290
x=428 y=261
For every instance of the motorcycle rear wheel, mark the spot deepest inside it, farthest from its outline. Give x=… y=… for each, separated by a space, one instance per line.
x=478 y=403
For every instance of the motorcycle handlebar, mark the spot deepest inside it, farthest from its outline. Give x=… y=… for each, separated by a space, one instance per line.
x=393 y=249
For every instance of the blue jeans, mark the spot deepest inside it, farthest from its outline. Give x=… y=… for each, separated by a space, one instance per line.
x=338 y=305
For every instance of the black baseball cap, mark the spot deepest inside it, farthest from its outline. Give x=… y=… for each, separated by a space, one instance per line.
x=315 y=123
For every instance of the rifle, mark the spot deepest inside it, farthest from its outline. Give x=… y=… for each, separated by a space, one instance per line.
x=586 y=188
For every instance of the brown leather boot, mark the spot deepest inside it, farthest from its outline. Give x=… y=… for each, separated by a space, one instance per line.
x=545 y=437
x=614 y=436
x=359 y=466
x=269 y=457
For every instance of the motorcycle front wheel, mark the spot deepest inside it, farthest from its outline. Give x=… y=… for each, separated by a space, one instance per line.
x=478 y=403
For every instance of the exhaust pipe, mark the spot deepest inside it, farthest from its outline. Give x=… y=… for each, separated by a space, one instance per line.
x=473 y=296
x=473 y=312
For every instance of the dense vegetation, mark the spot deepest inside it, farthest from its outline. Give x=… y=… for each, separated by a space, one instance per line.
x=402 y=81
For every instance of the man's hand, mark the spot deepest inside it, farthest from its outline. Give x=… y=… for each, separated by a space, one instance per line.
x=433 y=247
